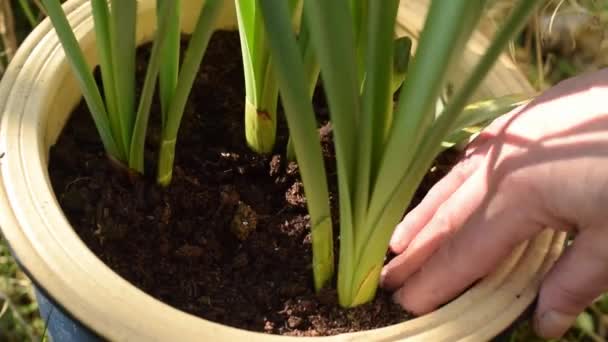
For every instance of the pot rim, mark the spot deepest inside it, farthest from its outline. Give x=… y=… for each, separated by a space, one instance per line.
x=32 y=112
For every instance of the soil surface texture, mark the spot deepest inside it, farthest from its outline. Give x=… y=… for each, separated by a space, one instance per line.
x=229 y=239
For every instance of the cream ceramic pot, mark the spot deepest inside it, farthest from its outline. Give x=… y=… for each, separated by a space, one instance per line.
x=37 y=95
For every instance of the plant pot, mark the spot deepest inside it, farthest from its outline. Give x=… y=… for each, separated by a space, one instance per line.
x=37 y=95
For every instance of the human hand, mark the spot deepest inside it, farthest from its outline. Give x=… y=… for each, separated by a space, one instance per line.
x=543 y=165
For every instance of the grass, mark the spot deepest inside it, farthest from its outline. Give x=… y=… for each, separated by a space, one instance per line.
x=19 y=319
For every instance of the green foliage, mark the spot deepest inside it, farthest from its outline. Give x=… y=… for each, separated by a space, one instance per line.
x=87 y=83
x=261 y=87
x=382 y=154
x=21 y=322
x=474 y=117
x=121 y=123
x=115 y=114
x=28 y=12
x=401 y=60
x=192 y=61
x=303 y=129
x=19 y=319
x=169 y=70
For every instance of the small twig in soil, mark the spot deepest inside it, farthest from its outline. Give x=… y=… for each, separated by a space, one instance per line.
x=77 y=180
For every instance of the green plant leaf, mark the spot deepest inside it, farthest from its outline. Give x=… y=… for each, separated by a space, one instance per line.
x=311 y=70
x=401 y=60
x=162 y=42
x=359 y=10
x=375 y=120
x=192 y=60
x=101 y=17
x=84 y=76
x=302 y=126
x=28 y=12
x=260 y=82
x=482 y=111
x=476 y=115
x=169 y=69
x=446 y=121
x=401 y=194
x=334 y=41
x=311 y=64
x=447 y=28
x=123 y=19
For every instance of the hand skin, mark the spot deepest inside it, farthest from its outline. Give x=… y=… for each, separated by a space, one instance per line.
x=542 y=165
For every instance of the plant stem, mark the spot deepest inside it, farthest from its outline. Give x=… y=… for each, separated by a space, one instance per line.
x=441 y=35
x=334 y=40
x=169 y=69
x=381 y=226
x=290 y=152
x=447 y=28
x=84 y=76
x=260 y=84
x=309 y=57
x=29 y=13
x=192 y=60
x=311 y=70
x=123 y=20
x=260 y=126
x=163 y=38
x=375 y=119
x=101 y=17
x=359 y=10
x=302 y=125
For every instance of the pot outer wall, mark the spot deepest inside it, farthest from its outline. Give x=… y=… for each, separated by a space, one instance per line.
x=61 y=326
x=37 y=95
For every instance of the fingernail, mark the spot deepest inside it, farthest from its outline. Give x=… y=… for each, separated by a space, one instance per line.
x=553 y=324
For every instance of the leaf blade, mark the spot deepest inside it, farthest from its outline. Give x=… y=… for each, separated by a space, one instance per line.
x=302 y=125
x=169 y=69
x=192 y=60
x=84 y=76
x=123 y=18
x=161 y=43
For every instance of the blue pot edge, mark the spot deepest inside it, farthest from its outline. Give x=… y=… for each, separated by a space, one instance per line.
x=39 y=288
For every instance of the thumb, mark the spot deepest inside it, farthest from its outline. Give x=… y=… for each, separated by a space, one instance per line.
x=578 y=278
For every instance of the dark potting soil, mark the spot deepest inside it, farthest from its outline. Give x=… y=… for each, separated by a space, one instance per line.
x=229 y=240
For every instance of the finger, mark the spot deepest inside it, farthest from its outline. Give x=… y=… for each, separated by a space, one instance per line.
x=416 y=219
x=447 y=219
x=578 y=277
x=487 y=239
